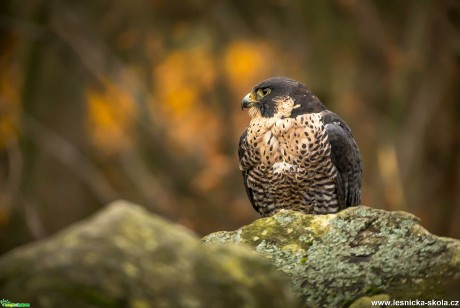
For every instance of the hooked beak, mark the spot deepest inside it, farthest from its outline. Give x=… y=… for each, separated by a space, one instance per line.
x=249 y=101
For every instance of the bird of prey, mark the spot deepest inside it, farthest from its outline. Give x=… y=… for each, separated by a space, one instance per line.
x=296 y=154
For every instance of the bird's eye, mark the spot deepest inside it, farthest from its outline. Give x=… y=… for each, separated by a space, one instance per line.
x=263 y=92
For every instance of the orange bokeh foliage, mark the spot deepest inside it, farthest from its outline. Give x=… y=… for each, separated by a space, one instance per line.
x=181 y=78
x=111 y=112
x=247 y=62
x=10 y=107
x=182 y=81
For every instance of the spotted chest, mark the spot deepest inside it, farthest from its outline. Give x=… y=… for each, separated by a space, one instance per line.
x=286 y=143
x=289 y=164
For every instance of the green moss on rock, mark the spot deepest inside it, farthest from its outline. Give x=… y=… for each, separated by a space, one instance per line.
x=127 y=257
x=367 y=301
x=335 y=259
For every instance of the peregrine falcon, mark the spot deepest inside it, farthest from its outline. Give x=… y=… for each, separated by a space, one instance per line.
x=296 y=154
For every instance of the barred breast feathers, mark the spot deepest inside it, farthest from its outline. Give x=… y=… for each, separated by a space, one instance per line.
x=290 y=140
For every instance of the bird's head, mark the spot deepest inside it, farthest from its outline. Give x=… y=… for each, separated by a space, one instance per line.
x=281 y=96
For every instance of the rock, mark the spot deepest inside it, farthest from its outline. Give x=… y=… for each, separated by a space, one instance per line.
x=366 y=301
x=127 y=257
x=334 y=260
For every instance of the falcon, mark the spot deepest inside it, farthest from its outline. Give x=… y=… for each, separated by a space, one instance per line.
x=296 y=154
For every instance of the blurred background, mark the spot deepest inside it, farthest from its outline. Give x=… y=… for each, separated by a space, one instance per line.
x=140 y=100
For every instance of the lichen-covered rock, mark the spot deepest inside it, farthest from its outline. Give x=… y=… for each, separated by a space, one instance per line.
x=334 y=260
x=127 y=257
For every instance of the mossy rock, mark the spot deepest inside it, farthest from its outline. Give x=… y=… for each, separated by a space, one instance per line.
x=126 y=257
x=334 y=260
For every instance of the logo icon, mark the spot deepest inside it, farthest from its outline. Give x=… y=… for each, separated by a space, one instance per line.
x=7 y=303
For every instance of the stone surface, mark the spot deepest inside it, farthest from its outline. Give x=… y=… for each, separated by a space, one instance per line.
x=127 y=257
x=335 y=260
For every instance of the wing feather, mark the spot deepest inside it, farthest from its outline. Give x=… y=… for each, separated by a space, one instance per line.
x=346 y=158
x=245 y=167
